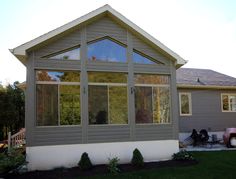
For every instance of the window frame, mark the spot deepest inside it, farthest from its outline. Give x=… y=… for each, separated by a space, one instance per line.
x=48 y=56
x=228 y=94
x=107 y=84
x=189 y=101
x=58 y=83
x=155 y=62
x=153 y=86
x=112 y=40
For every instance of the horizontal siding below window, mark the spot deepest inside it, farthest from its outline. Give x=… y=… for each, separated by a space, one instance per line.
x=107 y=66
x=160 y=69
x=154 y=132
x=57 y=135
x=108 y=133
x=57 y=64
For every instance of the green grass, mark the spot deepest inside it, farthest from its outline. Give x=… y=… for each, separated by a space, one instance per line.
x=218 y=164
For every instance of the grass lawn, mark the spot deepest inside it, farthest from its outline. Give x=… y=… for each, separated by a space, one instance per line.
x=218 y=164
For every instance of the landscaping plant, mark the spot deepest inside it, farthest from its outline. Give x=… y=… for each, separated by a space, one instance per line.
x=10 y=161
x=137 y=159
x=85 y=163
x=113 y=165
x=182 y=155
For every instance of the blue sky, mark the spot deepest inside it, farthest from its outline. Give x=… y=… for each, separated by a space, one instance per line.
x=201 y=31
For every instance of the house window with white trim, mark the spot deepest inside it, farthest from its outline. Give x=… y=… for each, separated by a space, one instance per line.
x=185 y=104
x=228 y=102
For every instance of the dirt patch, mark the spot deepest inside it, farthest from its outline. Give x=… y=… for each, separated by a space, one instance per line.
x=96 y=170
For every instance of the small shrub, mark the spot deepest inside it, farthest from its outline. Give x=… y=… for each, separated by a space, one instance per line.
x=85 y=163
x=11 y=161
x=113 y=165
x=137 y=159
x=182 y=155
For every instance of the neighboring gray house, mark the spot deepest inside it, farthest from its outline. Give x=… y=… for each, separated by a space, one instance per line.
x=207 y=100
x=101 y=85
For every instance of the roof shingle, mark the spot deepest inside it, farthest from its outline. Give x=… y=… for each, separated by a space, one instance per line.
x=203 y=77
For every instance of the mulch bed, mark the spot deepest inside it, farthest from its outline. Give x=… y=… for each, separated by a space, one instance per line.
x=96 y=170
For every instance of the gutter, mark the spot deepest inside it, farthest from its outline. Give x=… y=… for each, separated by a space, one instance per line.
x=205 y=87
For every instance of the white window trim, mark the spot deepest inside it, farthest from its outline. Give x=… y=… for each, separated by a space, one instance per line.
x=190 y=103
x=228 y=94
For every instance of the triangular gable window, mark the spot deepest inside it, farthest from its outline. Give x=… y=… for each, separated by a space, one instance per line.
x=141 y=59
x=106 y=50
x=73 y=54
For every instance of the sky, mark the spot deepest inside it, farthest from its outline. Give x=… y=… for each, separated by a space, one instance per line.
x=203 y=32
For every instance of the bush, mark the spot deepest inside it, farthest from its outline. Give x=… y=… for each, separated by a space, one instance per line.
x=85 y=163
x=182 y=155
x=11 y=161
x=137 y=159
x=113 y=165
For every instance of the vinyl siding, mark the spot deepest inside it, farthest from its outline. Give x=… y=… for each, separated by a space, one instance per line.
x=206 y=112
x=37 y=136
x=143 y=47
x=106 y=27
x=64 y=42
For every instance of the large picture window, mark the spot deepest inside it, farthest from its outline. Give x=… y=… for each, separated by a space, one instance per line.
x=228 y=102
x=106 y=50
x=108 y=103
x=152 y=99
x=185 y=104
x=57 y=98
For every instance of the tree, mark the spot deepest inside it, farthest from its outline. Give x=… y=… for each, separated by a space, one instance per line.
x=12 y=109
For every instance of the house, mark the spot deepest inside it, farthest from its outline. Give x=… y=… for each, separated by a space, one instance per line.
x=207 y=100
x=101 y=85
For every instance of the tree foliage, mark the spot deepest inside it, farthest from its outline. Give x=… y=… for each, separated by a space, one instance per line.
x=12 y=109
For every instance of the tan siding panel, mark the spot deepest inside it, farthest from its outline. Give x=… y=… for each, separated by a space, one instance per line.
x=62 y=43
x=148 y=50
x=106 y=27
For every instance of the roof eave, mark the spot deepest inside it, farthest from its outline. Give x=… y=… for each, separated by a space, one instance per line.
x=20 y=51
x=181 y=86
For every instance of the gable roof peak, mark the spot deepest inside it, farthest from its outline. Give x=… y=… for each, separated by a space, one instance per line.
x=20 y=51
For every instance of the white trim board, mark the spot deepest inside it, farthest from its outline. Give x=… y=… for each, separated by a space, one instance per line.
x=49 y=157
x=20 y=51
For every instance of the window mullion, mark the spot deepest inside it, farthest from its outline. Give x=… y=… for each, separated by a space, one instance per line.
x=58 y=105
x=108 y=105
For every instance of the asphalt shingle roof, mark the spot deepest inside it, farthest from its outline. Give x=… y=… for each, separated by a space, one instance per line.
x=203 y=77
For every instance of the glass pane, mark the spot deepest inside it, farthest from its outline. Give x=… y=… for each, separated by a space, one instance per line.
x=107 y=51
x=59 y=76
x=69 y=55
x=185 y=104
x=151 y=79
x=105 y=77
x=143 y=104
x=118 y=111
x=161 y=105
x=232 y=103
x=225 y=103
x=137 y=58
x=47 y=105
x=98 y=104
x=69 y=105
